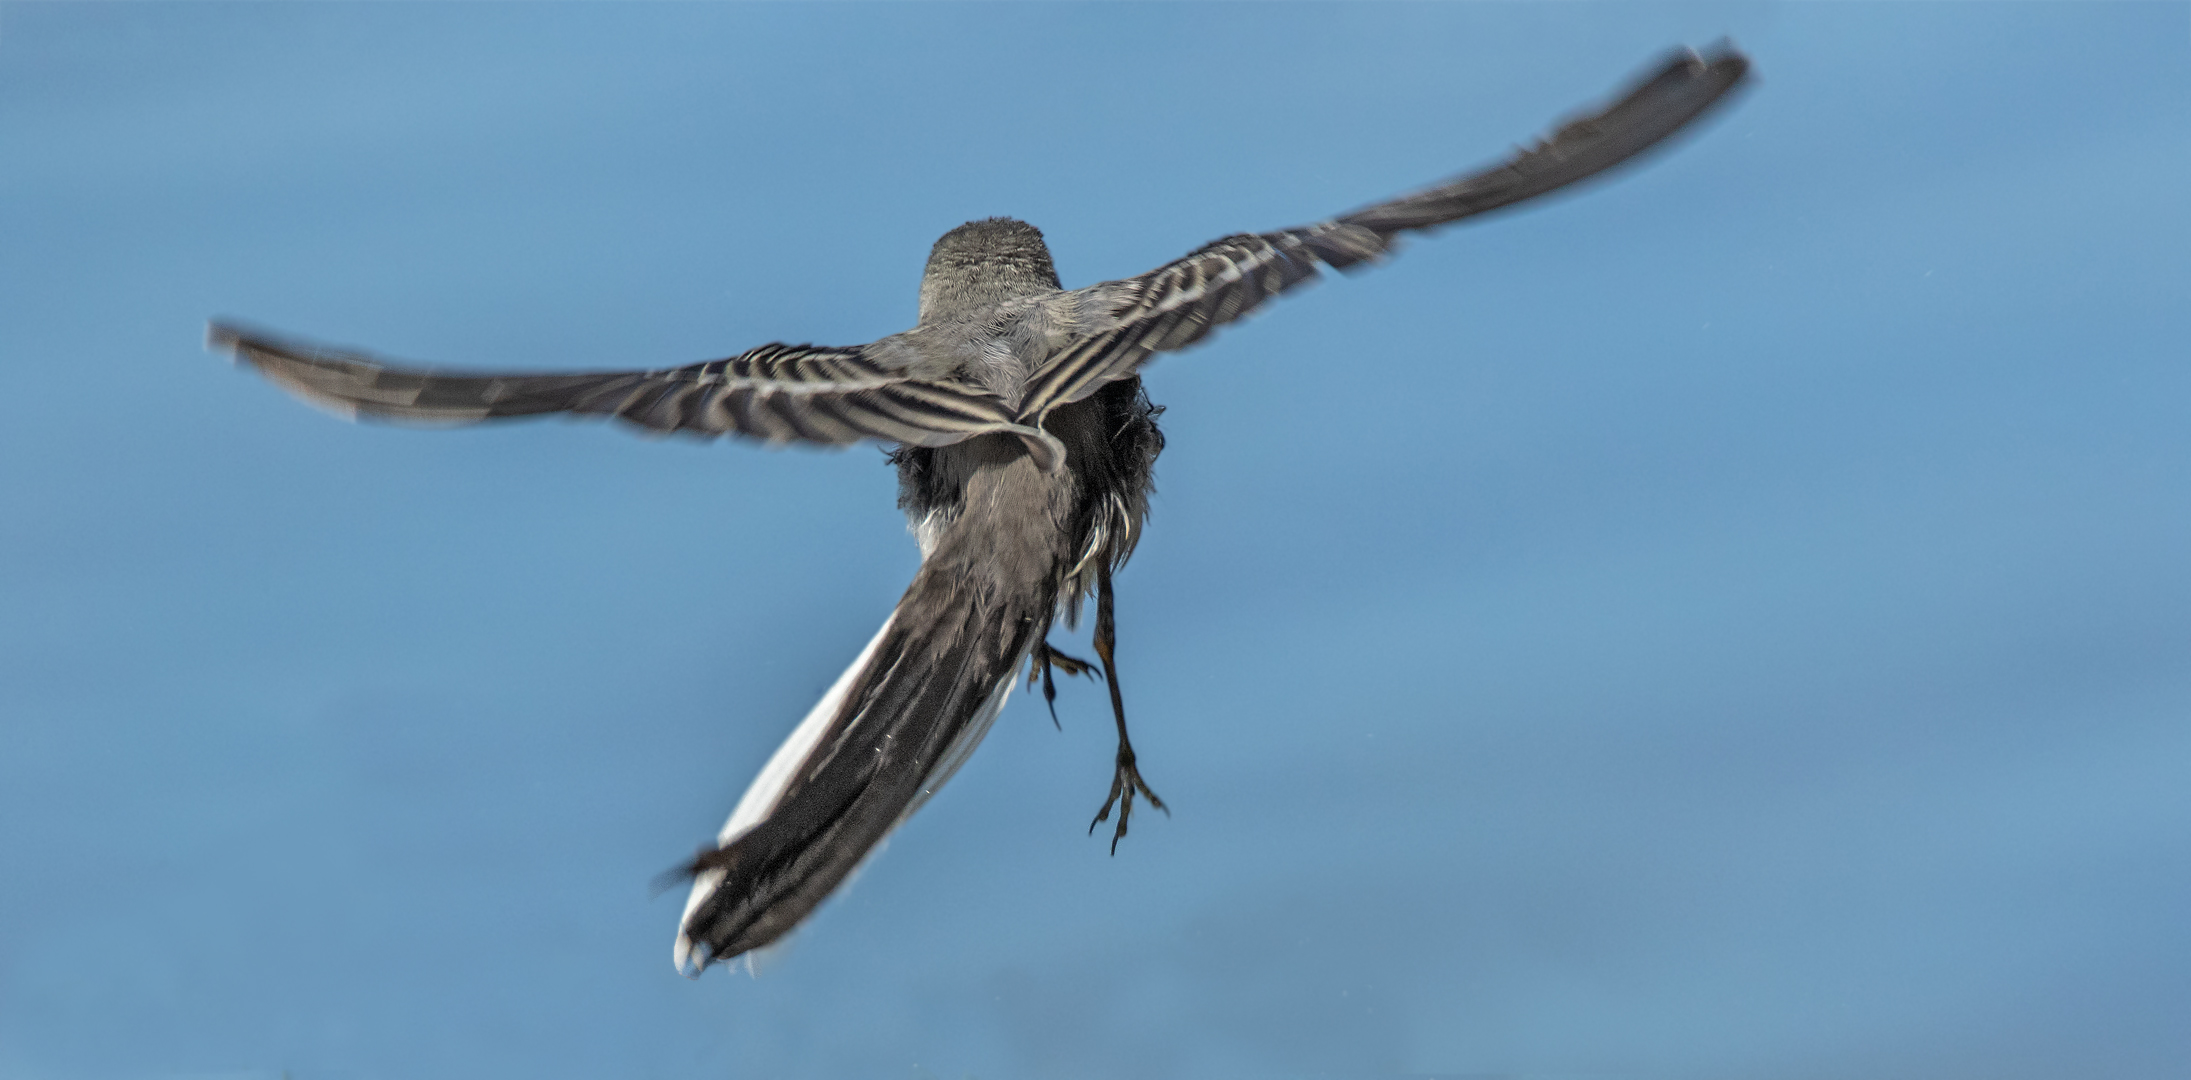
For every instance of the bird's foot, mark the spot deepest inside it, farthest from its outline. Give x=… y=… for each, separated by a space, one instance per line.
x=1070 y=665
x=1039 y=662
x=1125 y=781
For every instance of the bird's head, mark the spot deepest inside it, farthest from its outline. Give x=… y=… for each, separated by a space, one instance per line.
x=982 y=263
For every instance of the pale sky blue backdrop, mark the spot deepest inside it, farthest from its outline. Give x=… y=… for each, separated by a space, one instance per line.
x=1734 y=621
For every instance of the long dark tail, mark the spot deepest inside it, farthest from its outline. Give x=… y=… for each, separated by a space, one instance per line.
x=895 y=726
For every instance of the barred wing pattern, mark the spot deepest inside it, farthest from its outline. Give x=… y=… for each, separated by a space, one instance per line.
x=1178 y=304
x=776 y=393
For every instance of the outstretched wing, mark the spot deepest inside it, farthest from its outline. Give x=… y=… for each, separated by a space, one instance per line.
x=1175 y=305
x=777 y=393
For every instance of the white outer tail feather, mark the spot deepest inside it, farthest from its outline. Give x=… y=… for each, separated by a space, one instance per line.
x=767 y=788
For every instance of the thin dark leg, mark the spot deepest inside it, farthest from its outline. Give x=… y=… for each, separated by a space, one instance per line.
x=1125 y=779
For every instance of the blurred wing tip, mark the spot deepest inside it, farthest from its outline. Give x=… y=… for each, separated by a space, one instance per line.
x=1722 y=60
x=1720 y=65
x=238 y=342
x=1724 y=52
x=221 y=337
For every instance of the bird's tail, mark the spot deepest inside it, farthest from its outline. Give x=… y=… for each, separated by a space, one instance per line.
x=892 y=729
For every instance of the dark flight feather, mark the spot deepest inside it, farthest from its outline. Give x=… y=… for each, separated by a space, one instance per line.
x=1179 y=303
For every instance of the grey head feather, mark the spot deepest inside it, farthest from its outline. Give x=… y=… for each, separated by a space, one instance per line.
x=981 y=264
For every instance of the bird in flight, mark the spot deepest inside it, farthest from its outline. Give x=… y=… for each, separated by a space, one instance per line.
x=1025 y=446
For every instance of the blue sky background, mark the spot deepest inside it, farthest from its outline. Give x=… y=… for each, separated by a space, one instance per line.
x=1734 y=621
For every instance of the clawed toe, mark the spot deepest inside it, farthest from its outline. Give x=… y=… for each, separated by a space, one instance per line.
x=1070 y=665
x=1039 y=662
x=1125 y=781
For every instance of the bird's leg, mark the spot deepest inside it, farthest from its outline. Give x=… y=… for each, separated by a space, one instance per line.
x=1039 y=662
x=1125 y=779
